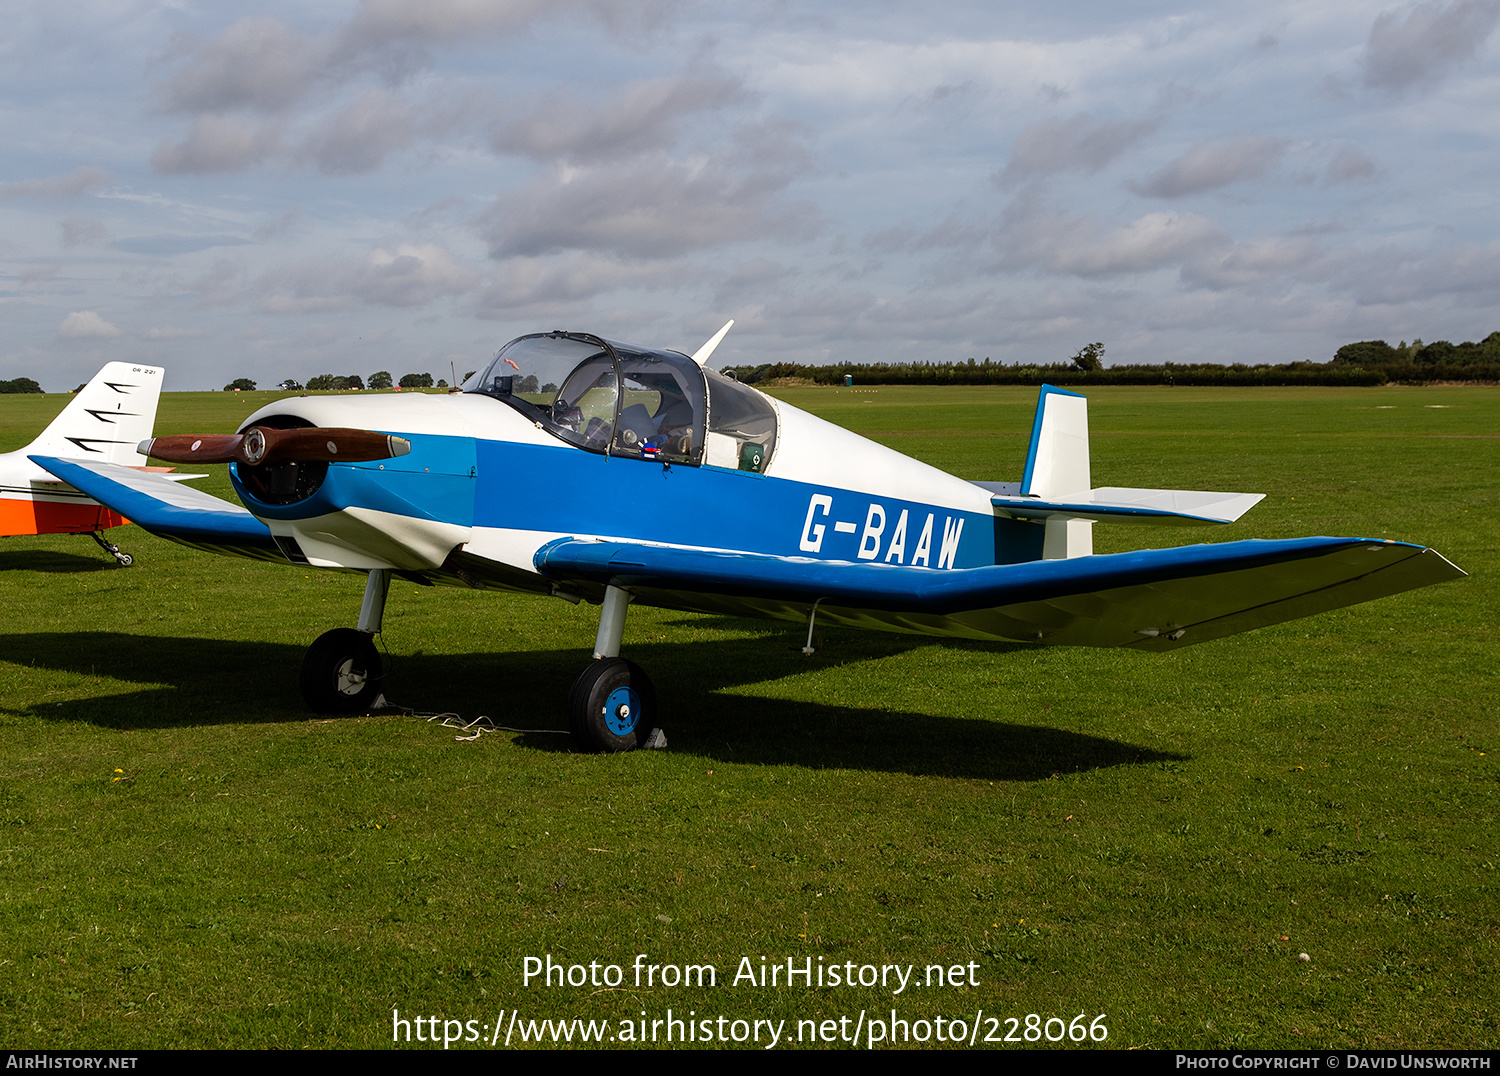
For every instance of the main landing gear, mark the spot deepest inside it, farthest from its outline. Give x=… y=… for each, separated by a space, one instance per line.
x=125 y=559
x=612 y=706
x=341 y=671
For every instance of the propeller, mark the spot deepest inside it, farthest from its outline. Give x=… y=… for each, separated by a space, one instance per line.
x=263 y=444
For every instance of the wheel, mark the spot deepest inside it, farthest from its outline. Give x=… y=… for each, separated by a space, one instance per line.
x=125 y=559
x=341 y=672
x=612 y=707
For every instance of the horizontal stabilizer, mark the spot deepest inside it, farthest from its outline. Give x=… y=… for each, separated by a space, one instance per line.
x=1151 y=599
x=168 y=509
x=1118 y=504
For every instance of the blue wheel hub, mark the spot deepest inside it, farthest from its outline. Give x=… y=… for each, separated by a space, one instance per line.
x=622 y=711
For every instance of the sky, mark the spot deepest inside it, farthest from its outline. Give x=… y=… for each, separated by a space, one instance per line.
x=281 y=190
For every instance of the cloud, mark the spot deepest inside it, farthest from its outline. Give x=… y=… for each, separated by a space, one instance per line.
x=571 y=277
x=1075 y=144
x=257 y=64
x=1418 y=44
x=247 y=86
x=1143 y=245
x=305 y=304
x=410 y=276
x=358 y=137
x=169 y=244
x=1468 y=275
x=83 y=232
x=216 y=143
x=773 y=147
x=1253 y=261
x=637 y=117
x=86 y=325
x=406 y=276
x=958 y=232
x=1029 y=235
x=386 y=24
x=382 y=23
x=1209 y=166
x=1348 y=166
x=171 y=332
x=277 y=225
x=646 y=207
x=79 y=181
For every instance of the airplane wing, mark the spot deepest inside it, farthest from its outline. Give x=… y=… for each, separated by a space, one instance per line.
x=167 y=509
x=1155 y=599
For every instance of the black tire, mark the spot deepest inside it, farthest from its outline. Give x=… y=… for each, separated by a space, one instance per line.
x=341 y=672
x=612 y=707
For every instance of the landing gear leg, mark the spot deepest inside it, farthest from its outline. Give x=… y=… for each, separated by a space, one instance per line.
x=612 y=706
x=125 y=559
x=814 y=640
x=341 y=671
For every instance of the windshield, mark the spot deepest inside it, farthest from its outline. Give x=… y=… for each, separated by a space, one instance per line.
x=565 y=381
x=605 y=397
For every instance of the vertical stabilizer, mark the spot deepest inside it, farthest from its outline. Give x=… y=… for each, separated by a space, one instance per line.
x=107 y=418
x=1057 y=462
x=1057 y=465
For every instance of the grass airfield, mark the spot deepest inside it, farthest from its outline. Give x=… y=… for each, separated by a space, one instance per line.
x=188 y=859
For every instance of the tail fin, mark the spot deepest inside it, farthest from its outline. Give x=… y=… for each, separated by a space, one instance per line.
x=107 y=418
x=1056 y=489
x=1057 y=462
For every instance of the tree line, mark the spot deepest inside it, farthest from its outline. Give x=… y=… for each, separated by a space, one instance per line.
x=1368 y=362
x=379 y=380
x=1365 y=362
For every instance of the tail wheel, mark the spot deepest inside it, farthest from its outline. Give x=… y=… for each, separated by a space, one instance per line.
x=612 y=707
x=341 y=672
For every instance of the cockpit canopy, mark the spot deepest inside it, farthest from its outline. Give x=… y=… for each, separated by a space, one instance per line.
x=627 y=401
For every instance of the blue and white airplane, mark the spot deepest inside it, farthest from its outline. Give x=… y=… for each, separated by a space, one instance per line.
x=592 y=470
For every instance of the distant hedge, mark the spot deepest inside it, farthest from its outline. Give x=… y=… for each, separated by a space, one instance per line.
x=1061 y=374
x=20 y=384
x=1369 y=362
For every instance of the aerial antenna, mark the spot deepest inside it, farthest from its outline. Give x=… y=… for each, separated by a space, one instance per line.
x=701 y=355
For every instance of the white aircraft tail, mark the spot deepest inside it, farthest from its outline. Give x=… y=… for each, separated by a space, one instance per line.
x=1057 y=463
x=1057 y=487
x=107 y=418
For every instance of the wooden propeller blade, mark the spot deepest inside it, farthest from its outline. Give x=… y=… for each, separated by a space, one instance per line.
x=323 y=445
x=261 y=445
x=193 y=448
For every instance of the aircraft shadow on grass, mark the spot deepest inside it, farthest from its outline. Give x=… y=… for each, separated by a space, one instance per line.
x=45 y=560
x=218 y=681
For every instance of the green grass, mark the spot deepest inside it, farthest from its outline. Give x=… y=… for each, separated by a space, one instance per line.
x=187 y=859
